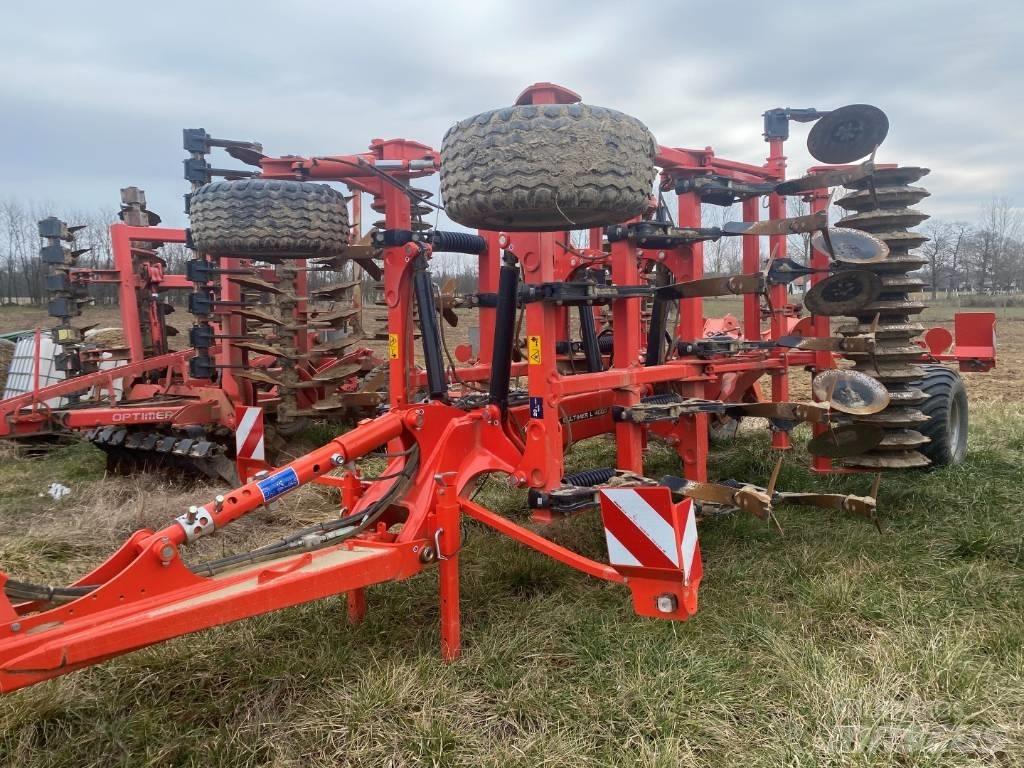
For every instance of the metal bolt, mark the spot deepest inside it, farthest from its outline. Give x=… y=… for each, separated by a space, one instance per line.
x=428 y=555
x=16 y=626
x=337 y=459
x=661 y=255
x=192 y=512
x=218 y=502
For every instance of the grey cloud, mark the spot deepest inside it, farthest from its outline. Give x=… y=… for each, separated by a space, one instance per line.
x=94 y=98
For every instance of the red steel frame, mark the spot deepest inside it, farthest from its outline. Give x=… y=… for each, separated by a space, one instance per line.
x=145 y=594
x=185 y=401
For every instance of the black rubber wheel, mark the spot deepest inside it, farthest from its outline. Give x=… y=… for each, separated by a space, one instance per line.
x=946 y=408
x=270 y=217
x=543 y=168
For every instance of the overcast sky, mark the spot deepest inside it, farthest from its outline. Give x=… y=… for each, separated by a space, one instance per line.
x=93 y=95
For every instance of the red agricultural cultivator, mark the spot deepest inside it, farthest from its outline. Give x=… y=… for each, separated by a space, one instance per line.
x=602 y=335
x=272 y=348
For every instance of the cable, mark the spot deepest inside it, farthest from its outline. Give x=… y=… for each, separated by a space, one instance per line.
x=413 y=194
x=580 y=254
x=312 y=537
x=444 y=345
x=321 y=534
x=21 y=590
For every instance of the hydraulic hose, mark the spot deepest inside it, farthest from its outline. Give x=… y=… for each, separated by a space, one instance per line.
x=504 y=330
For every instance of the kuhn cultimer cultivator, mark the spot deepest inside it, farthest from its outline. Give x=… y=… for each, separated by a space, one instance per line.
x=575 y=341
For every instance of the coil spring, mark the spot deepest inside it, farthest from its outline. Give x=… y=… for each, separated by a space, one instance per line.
x=589 y=477
x=659 y=399
x=416 y=207
x=457 y=242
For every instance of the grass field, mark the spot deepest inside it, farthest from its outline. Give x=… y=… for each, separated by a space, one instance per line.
x=828 y=645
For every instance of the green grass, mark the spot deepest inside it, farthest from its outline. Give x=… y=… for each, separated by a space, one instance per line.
x=828 y=645
x=24 y=478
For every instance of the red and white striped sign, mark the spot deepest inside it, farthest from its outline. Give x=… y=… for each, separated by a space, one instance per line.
x=645 y=529
x=249 y=433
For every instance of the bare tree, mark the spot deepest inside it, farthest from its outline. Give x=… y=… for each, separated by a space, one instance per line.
x=993 y=250
x=961 y=232
x=21 y=272
x=937 y=250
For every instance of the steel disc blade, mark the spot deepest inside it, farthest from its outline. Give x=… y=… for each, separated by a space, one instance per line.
x=846 y=440
x=847 y=134
x=851 y=246
x=844 y=293
x=849 y=391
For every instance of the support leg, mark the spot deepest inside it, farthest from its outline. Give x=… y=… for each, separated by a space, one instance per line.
x=356 y=605
x=449 y=542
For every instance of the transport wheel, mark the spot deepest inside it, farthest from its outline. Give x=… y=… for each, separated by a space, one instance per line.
x=549 y=167
x=253 y=217
x=946 y=409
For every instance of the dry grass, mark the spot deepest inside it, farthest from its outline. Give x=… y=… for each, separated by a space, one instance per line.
x=830 y=645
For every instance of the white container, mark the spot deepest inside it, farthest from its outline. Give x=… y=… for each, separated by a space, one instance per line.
x=21 y=374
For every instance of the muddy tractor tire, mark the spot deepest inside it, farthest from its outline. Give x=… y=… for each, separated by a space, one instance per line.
x=545 y=168
x=268 y=217
x=946 y=409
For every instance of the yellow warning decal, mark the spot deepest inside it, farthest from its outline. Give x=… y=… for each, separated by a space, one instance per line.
x=393 y=346
x=533 y=349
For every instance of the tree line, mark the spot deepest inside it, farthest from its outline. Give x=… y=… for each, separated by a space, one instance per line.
x=983 y=256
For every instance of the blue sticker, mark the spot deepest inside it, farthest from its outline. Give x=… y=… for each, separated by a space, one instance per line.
x=278 y=483
x=536 y=407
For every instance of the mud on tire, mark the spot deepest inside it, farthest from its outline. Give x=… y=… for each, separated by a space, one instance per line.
x=546 y=168
x=252 y=217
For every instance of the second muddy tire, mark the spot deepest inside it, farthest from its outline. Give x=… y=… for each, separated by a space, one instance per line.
x=543 y=168
x=946 y=409
x=268 y=217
